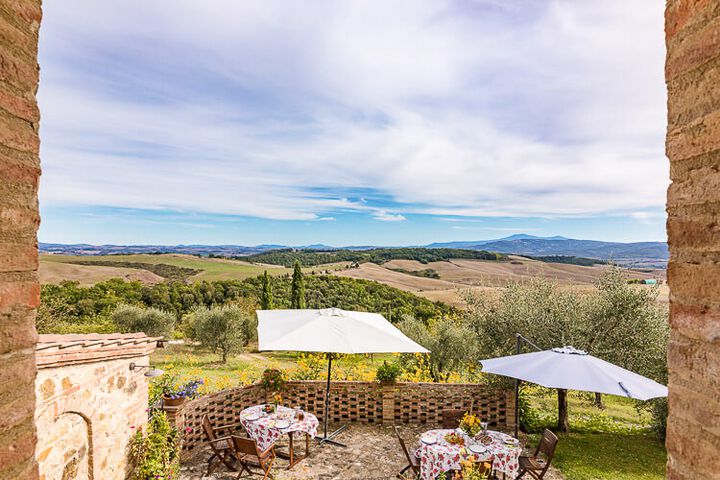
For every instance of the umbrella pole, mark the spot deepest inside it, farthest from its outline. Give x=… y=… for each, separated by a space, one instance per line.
x=329 y=438
x=517 y=390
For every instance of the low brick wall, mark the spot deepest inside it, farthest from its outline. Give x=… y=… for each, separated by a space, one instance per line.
x=360 y=402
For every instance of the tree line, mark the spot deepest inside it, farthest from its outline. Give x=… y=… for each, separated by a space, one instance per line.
x=68 y=307
x=309 y=258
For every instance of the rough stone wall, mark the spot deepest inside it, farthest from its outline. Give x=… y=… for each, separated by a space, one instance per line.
x=361 y=402
x=19 y=219
x=692 y=30
x=85 y=416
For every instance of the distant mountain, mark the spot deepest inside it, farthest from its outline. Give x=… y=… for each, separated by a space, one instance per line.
x=639 y=254
x=203 y=250
x=474 y=243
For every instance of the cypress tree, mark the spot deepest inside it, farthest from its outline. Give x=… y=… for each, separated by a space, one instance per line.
x=266 y=295
x=297 y=294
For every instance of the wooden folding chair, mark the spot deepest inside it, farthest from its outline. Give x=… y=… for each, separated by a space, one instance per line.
x=221 y=446
x=413 y=461
x=535 y=465
x=451 y=418
x=248 y=454
x=485 y=467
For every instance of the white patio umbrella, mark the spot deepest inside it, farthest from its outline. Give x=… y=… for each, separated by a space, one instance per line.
x=570 y=369
x=330 y=330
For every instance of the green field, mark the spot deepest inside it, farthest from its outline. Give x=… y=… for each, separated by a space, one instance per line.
x=212 y=268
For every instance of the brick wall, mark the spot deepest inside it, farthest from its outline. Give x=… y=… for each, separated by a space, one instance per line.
x=693 y=146
x=89 y=403
x=361 y=402
x=19 y=219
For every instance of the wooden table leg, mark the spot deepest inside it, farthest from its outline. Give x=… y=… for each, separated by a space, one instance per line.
x=291 y=456
x=292 y=451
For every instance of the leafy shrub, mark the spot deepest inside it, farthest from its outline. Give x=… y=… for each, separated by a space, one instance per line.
x=152 y=321
x=154 y=452
x=658 y=408
x=530 y=419
x=388 y=372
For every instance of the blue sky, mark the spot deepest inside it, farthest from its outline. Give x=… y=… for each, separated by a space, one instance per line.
x=347 y=123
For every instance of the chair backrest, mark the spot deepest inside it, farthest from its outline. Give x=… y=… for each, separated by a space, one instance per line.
x=244 y=445
x=547 y=445
x=485 y=467
x=207 y=427
x=451 y=418
x=402 y=445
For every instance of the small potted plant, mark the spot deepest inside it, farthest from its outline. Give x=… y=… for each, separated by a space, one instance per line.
x=387 y=373
x=273 y=380
x=175 y=394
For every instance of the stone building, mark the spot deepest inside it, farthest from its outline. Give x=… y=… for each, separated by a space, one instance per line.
x=89 y=403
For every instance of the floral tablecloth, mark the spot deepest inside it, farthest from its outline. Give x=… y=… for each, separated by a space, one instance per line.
x=443 y=456
x=264 y=431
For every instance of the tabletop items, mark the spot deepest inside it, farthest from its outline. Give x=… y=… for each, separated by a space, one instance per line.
x=266 y=426
x=444 y=450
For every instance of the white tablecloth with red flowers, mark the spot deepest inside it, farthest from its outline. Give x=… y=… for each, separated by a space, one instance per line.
x=263 y=429
x=443 y=456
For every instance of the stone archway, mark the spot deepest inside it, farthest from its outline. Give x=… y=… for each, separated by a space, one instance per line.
x=69 y=455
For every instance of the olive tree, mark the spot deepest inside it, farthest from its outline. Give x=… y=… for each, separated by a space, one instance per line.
x=448 y=341
x=220 y=329
x=618 y=322
x=151 y=321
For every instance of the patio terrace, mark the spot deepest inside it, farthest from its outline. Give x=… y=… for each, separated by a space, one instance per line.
x=373 y=453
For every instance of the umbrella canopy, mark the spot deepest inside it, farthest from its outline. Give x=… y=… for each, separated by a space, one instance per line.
x=331 y=330
x=571 y=369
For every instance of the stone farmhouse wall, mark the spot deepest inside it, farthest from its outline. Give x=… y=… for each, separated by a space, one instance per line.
x=19 y=220
x=89 y=403
x=693 y=145
x=359 y=402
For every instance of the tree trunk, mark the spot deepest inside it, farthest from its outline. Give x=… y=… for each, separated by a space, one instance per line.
x=224 y=356
x=563 y=425
x=599 y=401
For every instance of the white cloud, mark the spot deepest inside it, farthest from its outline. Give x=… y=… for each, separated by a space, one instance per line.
x=283 y=109
x=384 y=216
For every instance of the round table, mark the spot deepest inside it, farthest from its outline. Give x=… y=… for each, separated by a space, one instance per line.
x=264 y=431
x=443 y=456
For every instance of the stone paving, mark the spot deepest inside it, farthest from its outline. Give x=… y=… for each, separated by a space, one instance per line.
x=372 y=453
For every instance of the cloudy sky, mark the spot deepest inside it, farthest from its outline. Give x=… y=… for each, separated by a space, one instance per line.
x=351 y=122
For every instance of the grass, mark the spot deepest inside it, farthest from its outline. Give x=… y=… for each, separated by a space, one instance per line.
x=614 y=443
x=599 y=456
x=191 y=362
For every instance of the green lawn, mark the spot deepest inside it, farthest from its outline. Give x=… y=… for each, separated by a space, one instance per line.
x=599 y=456
x=191 y=362
x=614 y=443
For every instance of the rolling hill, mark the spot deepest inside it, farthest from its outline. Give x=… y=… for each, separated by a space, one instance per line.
x=637 y=254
